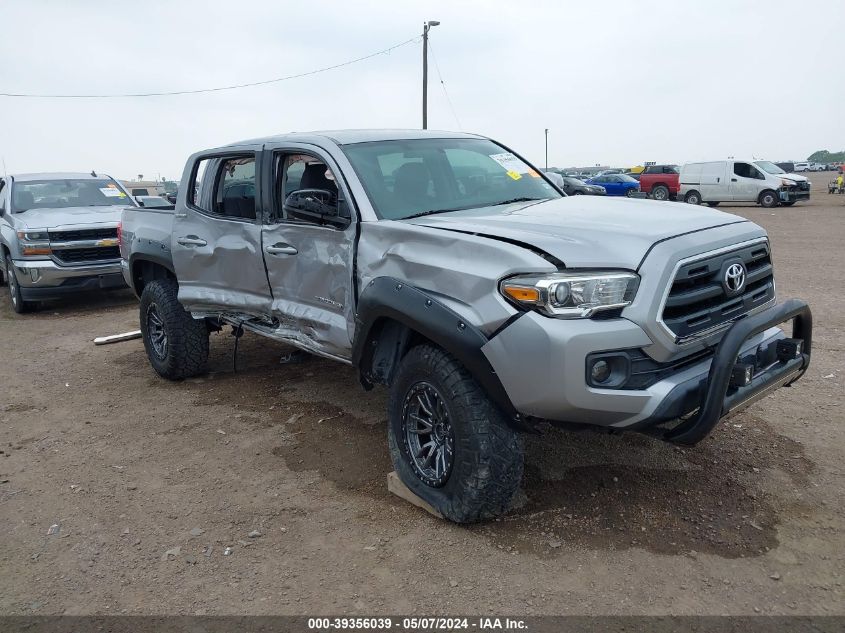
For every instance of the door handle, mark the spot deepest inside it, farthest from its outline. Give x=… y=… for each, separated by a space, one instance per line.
x=191 y=240
x=281 y=248
x=733 y=179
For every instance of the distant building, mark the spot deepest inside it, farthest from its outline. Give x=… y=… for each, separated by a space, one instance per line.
x=144 y=187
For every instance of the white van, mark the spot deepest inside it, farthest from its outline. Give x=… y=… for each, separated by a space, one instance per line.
x=741 y=181
x=802 y=166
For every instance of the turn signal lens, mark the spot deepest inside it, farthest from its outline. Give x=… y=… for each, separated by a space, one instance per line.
x=522 y=294
x=35 y=250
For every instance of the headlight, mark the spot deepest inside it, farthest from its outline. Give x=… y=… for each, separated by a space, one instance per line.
x=572 y=295
x=38 y=235
x=34 y=242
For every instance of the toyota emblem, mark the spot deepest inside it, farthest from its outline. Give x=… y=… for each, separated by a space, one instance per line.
x=735 y=278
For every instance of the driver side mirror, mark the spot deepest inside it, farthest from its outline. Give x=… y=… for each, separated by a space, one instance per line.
x=318 y=206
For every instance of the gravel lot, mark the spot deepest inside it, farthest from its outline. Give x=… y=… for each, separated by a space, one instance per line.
x=150 y=482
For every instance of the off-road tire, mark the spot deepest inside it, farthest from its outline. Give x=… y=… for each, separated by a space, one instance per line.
x=768 y=199
x=693 y=197
x=488 y=454
x=18 y=304
x=186 y=351
x=713 y=204
x=660 y=192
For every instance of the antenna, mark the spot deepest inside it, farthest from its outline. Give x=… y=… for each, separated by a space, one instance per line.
x=94 y=173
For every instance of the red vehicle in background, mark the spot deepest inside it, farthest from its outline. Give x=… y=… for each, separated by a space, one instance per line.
x=661 y=182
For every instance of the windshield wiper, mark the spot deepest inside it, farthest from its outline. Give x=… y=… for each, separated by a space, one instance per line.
x=514 y=200
x=481 y=206
x=435 y=212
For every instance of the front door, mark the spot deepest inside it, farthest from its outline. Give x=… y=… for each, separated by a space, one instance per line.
x=308 y=249
x=745 y=182
x=217 y=237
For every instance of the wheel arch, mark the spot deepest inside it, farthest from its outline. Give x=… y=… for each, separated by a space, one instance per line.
x=394 y=316
x=145 y=268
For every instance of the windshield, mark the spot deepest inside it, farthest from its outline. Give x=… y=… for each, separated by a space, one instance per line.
x=769 y=168
x=411 y=177
x=624 y=178
x=64 y=193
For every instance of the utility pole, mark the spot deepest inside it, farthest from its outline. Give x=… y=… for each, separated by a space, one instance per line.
x=547 y=149
x=426 y=27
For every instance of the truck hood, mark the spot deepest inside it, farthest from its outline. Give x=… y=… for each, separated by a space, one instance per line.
x=795 y=177
x=585 y=231
x=68 y=216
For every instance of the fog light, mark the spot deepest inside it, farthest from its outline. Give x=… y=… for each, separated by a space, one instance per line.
x=742 y=374
x=789 y=349
x=600 y=371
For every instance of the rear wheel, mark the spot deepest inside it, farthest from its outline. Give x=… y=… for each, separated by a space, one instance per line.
x=768 y=199
x=18 y=304
x=693 y=197
x=176 y=343
x=449 y=443
x=660 y=192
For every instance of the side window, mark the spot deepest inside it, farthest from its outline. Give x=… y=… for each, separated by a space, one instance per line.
x=744 y=170
x=225 y=187
x=307 y=192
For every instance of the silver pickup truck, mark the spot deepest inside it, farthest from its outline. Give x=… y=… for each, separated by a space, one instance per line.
x=58 y=235
x=448 y=268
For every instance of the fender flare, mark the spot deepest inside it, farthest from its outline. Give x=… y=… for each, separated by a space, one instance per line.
x=153 y=258
x=397 y=301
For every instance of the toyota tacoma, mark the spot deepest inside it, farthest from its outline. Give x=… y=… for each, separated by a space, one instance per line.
x=449 y=269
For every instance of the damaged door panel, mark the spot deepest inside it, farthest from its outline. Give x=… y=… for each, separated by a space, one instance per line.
x=308 y=251
x=216 y=238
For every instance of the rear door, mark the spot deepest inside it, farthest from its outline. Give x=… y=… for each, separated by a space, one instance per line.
x=217 y=235
x=714 y=183
x=309 y=238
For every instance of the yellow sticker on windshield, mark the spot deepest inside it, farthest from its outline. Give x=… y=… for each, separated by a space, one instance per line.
x=515 y=175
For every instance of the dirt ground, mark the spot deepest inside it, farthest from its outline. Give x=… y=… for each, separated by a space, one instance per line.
x=149 y=483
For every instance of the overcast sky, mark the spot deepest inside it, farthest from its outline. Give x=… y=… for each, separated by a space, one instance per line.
x=615 y=82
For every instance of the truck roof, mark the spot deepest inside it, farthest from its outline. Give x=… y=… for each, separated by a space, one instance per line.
x=347 y=137
x=57 y=175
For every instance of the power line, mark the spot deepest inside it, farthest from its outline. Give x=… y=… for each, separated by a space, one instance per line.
x=218 y=89
x=443 y=85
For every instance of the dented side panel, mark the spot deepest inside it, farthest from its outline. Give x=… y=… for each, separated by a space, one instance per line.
x=312 y=289
x=459 y=270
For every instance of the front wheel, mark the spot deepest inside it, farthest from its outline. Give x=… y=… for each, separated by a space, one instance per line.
x=18 y=304
x=176 y=343
x=449 y=443
x=768 y=199
x=693 y=197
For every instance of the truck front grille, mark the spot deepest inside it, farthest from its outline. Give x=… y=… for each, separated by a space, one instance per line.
x=83 y=234
x=700 y=300
x=79 y=255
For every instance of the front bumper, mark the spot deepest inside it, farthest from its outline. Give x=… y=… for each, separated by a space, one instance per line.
x=793 y=195
x=41 y=280
x=548 y=381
